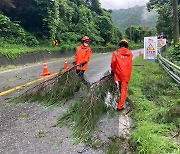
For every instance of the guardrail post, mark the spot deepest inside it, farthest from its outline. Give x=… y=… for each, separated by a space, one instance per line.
x=171 y=68
x=175 y=72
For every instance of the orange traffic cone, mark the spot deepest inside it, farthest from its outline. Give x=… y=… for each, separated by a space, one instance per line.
x=45 y=69
x=66 y=66
x=140 y=53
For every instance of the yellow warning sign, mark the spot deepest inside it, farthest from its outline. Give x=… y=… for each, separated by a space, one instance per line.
x=150 y=47
x=159 y=45
x=55 y=42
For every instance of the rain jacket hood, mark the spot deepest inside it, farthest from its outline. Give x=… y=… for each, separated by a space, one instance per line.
x=121 y=64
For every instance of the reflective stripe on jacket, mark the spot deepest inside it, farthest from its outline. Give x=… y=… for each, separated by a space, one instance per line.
x=82 y=55
x=121 y=64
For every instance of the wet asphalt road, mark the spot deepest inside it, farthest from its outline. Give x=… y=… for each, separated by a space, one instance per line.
x=99 y=63
x=20 y=123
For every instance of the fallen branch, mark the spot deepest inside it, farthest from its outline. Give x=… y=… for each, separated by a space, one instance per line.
x=137 y=65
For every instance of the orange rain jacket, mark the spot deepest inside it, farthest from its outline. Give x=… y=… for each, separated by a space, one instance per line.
x=82 y=55
x=121 y=64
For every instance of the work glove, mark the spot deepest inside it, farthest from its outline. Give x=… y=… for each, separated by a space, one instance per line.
x=82 y=64
x=117 y=84
x=112 y=73
x=74 y=63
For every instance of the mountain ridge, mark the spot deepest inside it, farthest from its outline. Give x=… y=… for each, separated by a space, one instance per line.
x=137 y=15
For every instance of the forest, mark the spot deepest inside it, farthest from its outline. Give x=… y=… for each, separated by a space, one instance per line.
x=37 y=22
x=153 y=97
x=137 y=16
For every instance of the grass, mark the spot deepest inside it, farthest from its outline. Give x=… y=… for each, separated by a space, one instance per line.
x=155 y=110
x=134 y=46
x=23 y=116
x=117 y=145
x=41 y=134
x=12 y=51
x=172 y=54
x=57 y=143
x=7 y=67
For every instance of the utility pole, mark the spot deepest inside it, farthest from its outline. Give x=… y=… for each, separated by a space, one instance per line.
x=129 y=12
x=176 y=21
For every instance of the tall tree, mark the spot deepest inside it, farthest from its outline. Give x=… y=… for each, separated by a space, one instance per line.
x=95 y=5
x=165 y=16
x=6 y=4
x=176 y=21
x=65 y=20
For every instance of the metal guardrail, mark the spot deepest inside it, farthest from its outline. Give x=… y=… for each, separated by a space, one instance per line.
x=172 y=69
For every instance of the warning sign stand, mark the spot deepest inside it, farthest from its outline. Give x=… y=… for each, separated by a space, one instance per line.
x=150 y=48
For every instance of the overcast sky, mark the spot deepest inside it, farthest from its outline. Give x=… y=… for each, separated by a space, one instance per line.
x=121 y=4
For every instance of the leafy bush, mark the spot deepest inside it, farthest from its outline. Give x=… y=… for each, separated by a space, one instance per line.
x=155 y=110
x=175 y=52
x=133 y=45
x=69 y=37
x=13 y=33
x=151 y=138
x=31 y=40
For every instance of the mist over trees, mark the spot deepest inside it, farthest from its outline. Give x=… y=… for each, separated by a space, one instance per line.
x=135 y=22
x=36 y=22
x=137 y=16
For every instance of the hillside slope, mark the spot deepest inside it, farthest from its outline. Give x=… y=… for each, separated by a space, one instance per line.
x=137 y=15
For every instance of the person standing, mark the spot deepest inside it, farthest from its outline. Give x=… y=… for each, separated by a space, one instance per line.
x=82 y=56
x=121 y=67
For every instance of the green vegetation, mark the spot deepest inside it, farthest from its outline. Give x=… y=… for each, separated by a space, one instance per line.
x=32 y=26
x=13 y=51
x=173 y=53
x=136 y=22
x=155 y=111
x=137 y=33
x=37 y=23
x=86 y=111
x=54 y=91
x=137 y=16
x=155 y=99
x=24 y=116
x=57 y=143
x=7 y=67
x=41 y=134
x=117 y=145
x=165 y=16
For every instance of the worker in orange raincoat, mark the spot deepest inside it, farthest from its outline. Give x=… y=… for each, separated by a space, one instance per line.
x=121 y=67
x=82 y=56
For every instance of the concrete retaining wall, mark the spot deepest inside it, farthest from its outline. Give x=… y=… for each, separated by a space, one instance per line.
x=33 y=57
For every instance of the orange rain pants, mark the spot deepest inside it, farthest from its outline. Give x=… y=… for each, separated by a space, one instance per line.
x=121 y=65
x=123 y=87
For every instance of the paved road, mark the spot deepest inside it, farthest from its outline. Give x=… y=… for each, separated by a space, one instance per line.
x=20 y=123
x=99 y=63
